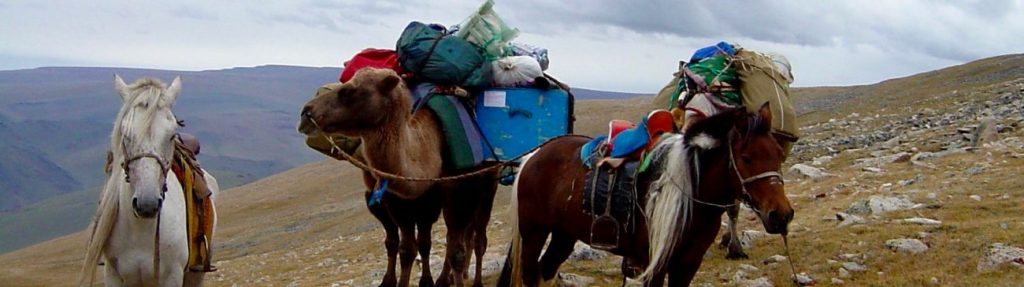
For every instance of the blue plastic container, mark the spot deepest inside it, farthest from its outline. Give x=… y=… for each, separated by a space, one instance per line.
x=516 y=120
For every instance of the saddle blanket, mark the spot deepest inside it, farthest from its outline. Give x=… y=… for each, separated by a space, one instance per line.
x=463 y=146
x=618 y=184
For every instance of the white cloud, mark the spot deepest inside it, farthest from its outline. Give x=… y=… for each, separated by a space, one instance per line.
x=611 y=45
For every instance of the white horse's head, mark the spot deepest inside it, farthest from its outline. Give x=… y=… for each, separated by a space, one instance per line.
x=142 y=139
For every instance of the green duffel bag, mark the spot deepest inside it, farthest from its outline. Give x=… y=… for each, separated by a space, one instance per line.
x=433 y=56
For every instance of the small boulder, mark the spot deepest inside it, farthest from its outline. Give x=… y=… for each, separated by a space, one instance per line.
x=921 y=221
x=879 y=204
x=854 y=267
x=573 y=280
x=906 y=245
x=846 y=219
x=774 y=259
x=998 y=255
x=805 y=171
x=584 y=252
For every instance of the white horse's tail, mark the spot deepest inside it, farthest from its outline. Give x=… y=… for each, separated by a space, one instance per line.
x=515 y=250
x=102 y=224
x=668 y=205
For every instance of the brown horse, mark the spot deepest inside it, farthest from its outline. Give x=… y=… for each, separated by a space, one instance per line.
x=374 y=107
x=694 y=177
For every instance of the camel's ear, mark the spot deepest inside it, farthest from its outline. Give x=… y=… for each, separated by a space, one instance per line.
x=174 y=90
x=388 y=83
x=121 y=88
x=765 y=112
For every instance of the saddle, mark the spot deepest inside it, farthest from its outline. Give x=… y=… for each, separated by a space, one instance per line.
x=613 y=163
x=199 y=208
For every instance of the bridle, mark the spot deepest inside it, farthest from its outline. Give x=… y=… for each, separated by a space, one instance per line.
x=744 y=194
x=165 y=165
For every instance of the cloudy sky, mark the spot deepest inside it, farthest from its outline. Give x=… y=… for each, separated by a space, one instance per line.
x=602 y=44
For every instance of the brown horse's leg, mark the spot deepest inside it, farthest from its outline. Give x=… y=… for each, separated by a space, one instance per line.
x=735 y=248
x=532 y=244
x=390 y=240
x=689 y=254
x=558 y=251
x=657 y=280
x=480 y=248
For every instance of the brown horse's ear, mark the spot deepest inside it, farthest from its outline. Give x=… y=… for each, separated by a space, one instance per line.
x=388 y=83
x=765 y=112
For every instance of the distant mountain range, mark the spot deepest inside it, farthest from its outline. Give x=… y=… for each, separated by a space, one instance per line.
x=55 y=124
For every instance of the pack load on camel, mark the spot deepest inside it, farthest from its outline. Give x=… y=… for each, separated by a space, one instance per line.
x=432 y=123
x=491 y=95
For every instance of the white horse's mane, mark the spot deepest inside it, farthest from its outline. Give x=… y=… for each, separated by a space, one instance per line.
x=669 y=203
x=141 y=101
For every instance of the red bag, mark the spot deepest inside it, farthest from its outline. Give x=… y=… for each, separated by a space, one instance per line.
x=370 y=57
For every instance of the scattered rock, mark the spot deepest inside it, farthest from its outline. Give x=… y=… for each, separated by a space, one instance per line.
x=975 y=197
x=998 y=255
x=854 y=267
x=843 y=273
x=837 y=281
x=821 y=160
x=879 y=204
x=748 y=237
x=759 y=282
x=573 y=280
x=921 y=221
x=906 y=245
x=805 y=171
x=774 y=259
x=584 y=252
x=873 y=169
x=803 y=279
x=748 y=268
x=846 y=219
x=987 y=132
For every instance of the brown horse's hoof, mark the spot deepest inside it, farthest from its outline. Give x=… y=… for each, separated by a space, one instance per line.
x=725 y=241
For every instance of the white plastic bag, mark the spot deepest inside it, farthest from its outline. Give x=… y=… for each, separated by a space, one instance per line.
x=516 y=71
x=486 y=30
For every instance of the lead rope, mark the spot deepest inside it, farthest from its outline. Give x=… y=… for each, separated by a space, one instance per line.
x=387 y=175
x=792 y=269
x=156 y=250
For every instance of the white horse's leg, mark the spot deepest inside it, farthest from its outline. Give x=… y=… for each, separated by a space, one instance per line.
x=193 y=279
x=111 y=278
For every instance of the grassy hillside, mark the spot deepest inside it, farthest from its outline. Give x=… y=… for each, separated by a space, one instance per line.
x=309 y=227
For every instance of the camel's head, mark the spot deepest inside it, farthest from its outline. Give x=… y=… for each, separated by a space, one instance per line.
x=372 y=100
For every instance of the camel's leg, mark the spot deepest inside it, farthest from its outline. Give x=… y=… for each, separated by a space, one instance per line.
x=390 y=240
x=425 y=225
x=480 y=248
x=456 y=250
x=558 y=251
x=735 y=248
x=483 y=217
x=407 y=251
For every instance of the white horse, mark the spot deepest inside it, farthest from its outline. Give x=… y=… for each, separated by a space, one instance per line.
x=140 y=226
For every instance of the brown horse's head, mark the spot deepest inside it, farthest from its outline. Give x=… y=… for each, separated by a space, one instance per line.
x=373 y=100
x=754 y=161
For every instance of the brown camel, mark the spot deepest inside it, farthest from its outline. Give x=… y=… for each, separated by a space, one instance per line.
x=374 y=107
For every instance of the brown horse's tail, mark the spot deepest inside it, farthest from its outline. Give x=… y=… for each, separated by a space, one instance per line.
x=511 y=274
x=668 y=204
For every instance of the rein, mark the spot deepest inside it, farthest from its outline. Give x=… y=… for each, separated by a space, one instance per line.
x=379 y=174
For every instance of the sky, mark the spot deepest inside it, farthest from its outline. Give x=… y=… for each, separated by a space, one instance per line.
x=615 y=45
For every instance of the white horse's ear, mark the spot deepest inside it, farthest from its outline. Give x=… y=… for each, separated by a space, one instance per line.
x=120 y=87
x=174 y=89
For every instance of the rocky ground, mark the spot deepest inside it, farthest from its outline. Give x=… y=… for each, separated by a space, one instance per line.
x=922 y=194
